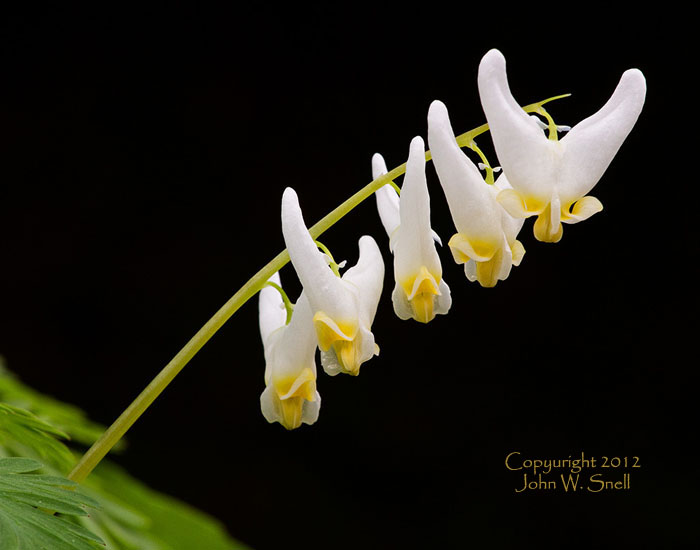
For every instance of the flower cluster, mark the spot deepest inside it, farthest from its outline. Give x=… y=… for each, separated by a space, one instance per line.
x=540 y=175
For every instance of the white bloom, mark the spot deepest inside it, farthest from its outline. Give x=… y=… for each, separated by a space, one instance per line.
x=550 y=177
x=420 y=292
x=290 y=395
x=343 y=308
x=485 y=241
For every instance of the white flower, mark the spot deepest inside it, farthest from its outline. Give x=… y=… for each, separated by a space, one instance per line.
x=420 y=292
x=550 y=177
x=343 y=308
x=485 y=241
x=290 y=395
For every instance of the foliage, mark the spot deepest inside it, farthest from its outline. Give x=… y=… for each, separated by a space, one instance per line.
x=66 y=418
x=134 y=517
x=25 y=522
x=130 y=515
x=21 y=433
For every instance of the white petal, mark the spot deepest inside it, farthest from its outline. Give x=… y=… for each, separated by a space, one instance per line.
x=443 y=302
x=402 y=307
x=311 y=409
x=591 y=145
x=473 y=210
x=387 y=198
x=378 y=166
x=470 y=270
x=502 y=183
x=527 y=156
x=296 y=347
x=325 y=291
x=511 y=226
x=415 y=246
x=271 y=311
x=367 y=276
x=388 y=208
x=329 y=362
x=269 y=404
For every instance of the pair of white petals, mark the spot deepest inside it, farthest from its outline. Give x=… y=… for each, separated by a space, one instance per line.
x=343 y=307
x=333 y=313
x=420 y=292
x=550 y=178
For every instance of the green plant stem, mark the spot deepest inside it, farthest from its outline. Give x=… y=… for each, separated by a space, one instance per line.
x=116 y=431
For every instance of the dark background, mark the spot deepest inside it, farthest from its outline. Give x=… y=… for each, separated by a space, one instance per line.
x=144 y=154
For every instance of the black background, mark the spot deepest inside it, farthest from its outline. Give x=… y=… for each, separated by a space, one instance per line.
x=144 y=154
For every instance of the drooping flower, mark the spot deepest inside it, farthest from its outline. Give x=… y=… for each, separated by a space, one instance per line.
x=485 y=241
x=550 y=178
x=420 y=291
x=290 y=395
x=343 y=309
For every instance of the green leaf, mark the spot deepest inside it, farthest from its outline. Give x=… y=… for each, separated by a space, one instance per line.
x=20 y=431
x=25 y=523
x=131 y=516
x=67 y=418
x=137 y=518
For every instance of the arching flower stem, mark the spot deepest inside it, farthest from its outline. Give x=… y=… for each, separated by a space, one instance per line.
x=121 y=425
x=396 y=188
x=335 y=267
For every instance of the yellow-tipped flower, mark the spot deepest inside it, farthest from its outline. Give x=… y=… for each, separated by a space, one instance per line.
x=343 y=309
x=290 y=395
x=485 y=241
x=420 y=292
x=550 y=177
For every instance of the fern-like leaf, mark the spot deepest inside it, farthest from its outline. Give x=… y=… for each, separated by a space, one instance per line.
x=131 y=515
x=67 y=418
x=25 y=501
x=21 y=431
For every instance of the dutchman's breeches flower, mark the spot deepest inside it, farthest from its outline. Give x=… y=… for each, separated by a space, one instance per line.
x=420 y=292
x=549 y=177
x=485 y=241
x=290 y=395
x=343 y=308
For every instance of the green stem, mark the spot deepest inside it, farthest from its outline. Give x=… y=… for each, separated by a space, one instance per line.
x=288 y=306
x=116 y=431
x=333 y=264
